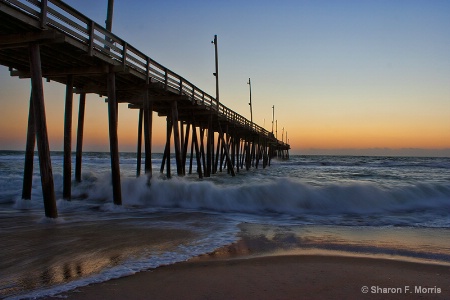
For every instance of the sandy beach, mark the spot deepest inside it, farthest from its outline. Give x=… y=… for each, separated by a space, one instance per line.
x=280 y=277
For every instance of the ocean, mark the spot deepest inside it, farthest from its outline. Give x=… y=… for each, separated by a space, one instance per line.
x=390 y=207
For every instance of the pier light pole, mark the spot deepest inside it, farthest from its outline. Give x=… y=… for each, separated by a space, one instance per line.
x=216 y=74
x=108 y=22
x=276 y=129
x=273 y=116
x=251 y=109
x=109 y=15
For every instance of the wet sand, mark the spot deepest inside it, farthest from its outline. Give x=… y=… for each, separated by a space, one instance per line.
x=279 y=277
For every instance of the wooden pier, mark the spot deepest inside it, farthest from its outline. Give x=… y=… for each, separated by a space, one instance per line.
x=49 y=39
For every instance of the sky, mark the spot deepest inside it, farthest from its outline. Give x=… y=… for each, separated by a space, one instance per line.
x=365 y=77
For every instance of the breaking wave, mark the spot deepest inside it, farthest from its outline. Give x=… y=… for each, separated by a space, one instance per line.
x=281 y=195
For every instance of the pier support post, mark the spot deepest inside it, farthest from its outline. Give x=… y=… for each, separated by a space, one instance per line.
x=79 y=153
x=227 y=153
x=185 y=147
x=202 y=149
x=237 y=145
x=29 y=154
x=113 y=139
x=192 y=150
x=67 y=167
x=209 y=148
x=45 y=165
x=197 y=151
x=176 y=137
x=167 y=150
x=215 y=164
x=139 y=144
x=148 y=123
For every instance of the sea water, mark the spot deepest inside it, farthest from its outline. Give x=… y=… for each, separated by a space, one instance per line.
x=395 y=207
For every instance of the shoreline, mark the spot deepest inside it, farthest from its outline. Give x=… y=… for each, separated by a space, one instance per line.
x=265 y=265
x=278 y=277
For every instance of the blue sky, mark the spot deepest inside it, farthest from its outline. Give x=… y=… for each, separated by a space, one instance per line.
x=341 y=74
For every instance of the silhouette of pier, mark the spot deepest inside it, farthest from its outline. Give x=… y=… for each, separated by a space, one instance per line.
x=49 y=39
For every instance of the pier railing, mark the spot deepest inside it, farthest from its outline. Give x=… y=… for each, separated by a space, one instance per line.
x=89 y=36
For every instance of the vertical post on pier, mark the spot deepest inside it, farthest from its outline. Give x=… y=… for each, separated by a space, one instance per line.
x=273 y=116
x=67 y=167
x=185 y=147
x=182 y=147
x=227 y=153
x=113 y=138
x=29 y=154
x=250 y=103
x=202 y=149
x=197 y=150
x=45 y=165
x=109 y=15
x=252 y=155
x=237 y=144
x=167 y=151
x=148 y=122
x=215 y=165
x=176 y=137
x=216 y=74
x=79 y=153
x=43 y=15
x=276 y=129
x=208 y=149
x=233 y=149
x=191 y=158
x=139 y=143
x=258 y=152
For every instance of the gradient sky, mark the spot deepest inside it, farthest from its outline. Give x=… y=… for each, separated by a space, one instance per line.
x=343 y=75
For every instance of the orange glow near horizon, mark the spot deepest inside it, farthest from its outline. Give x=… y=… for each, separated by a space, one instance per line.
x=335 y=133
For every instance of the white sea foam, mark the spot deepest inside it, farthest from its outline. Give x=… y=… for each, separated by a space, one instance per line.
x=282 y=195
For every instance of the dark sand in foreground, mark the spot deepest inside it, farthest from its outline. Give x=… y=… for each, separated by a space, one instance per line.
x=279 y=277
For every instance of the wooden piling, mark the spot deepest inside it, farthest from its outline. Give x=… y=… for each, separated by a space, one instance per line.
x=148 y=123
x=182 y=147
x=139 y=143
x=185 y=147
x=80 y=129
x=212 y=150
x=215 y=165
x=29 y=154
x=176 y=138
x=227 y=154
x=208 y=149
x=237 y=144
x=67 y=167
x=197 y=151
x=113 y=138
x=192 y=150
x=233 y=138
x=202 y=149
x=45 y=165
x=169 y=135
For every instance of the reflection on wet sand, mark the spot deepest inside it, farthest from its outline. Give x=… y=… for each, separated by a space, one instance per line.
x=408 y=244
x=43 y=255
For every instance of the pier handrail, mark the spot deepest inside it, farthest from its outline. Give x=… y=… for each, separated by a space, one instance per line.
x=94 y=39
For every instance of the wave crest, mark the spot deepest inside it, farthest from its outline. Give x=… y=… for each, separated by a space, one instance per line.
x=284 y=196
